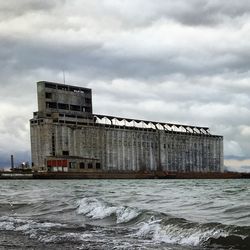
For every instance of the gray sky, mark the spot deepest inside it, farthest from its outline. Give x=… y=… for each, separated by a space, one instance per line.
x=173 y=61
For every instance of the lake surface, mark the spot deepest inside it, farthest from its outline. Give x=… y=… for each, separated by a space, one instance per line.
x=125 y=214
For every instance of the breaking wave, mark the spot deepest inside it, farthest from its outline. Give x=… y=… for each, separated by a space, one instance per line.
x=108 y=225
x=163 y=228
x=45 y=232
x=97 y=209
x=182 y=233
x=125 y=214
x=33 y=229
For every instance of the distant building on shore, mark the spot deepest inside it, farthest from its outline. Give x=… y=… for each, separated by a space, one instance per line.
x=67 y=137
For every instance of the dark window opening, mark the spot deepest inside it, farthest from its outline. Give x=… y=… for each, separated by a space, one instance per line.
x=62 y=87
x=63 y=106
x=51 y=105
x=65 y=152
x=82 y=165
x=70 y=122
x=87 y=109
x=48 y=115
x=75 y=108
x=50 y=85
x=48 y=95
x=72 y=165
x=88 y=100
x=73 y=89
x=77 y=90
x=72 y=116
x=53 y=145
x=90 y=165
x=98 y=165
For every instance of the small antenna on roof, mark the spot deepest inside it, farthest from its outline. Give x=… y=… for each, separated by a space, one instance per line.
x=63 y=77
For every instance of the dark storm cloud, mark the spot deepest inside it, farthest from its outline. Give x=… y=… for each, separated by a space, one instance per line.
x=199 y=12
x=176 y=61
x=26 y=55
x=97 y=60
x=191 y=13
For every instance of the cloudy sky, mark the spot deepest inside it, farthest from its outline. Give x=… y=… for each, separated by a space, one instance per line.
x=175 y=61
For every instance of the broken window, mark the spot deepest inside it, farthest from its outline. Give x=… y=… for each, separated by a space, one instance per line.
x=50 y=85
x=62 y=87
x=82 y=165
x=51 y=105
x=75 y=108
x=65 y=152
x=88 y=100
x=76 y=90
x=48 y=95
x=98 y=165
x=72 y=165
x=87 y=109
x=90 y=165
x=63 y=106
x=53 y=145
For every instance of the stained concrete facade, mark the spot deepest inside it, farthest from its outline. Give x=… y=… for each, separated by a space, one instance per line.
x=78 y=140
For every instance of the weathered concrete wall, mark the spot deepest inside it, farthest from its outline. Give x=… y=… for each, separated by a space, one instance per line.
x=69 y=100
x=127 y=149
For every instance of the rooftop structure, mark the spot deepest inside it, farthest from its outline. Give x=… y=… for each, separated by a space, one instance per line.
x=61 y=98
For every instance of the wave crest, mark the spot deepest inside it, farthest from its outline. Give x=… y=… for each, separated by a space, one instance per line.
x=97 y=209
x=159 y=227
x=182 y=233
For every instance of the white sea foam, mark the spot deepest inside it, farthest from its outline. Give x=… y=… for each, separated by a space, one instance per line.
x=147 y=229
x=27 y=226
x=12 y=219
x=40 y=230
x=175 y=234
x=65 y=237
x=94 y=208
x=125 y=214
x=7 y=225
x=97 y=209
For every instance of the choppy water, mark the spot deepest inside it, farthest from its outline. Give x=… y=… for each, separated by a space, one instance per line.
x=125 y=214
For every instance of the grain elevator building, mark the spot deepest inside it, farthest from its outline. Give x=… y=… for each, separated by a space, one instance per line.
x=66 y=136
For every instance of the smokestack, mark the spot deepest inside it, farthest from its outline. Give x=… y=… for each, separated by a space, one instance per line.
x=12 y=162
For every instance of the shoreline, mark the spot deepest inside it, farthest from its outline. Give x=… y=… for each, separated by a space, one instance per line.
x=121 y=175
